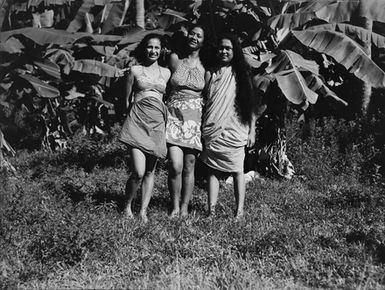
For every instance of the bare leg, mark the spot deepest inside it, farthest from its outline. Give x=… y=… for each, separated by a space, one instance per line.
x=175 y=177
x=147 y=185
x=188 y=180
x=213 y=191
x=138 y=164
x=239 y=192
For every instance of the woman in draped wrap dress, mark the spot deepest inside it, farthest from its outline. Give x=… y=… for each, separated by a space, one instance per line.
x=145 y=126
x=228 y=123
x=183 y=132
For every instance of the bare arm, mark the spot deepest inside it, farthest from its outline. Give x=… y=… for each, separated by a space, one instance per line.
x=251 y=137
x=207 y=81
x=129 y=87
x=174 y=61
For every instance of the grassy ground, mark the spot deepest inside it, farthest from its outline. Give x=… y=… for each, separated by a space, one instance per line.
x=62 y=227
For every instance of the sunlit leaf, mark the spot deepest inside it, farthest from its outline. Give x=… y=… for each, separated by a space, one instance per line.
x=73 y=94
x=78 y=20
x=5 y=145
x=116 y=15
x=43 y=36
x=346 y=52
x=263 y=82
x=136 y=34
x=49 y=67
x=170 y=17
x=42 y=89
x=316 y=84
x=107 y=51
x=294 y=87
x=288 y=59
x=95 y=67
x=345 y=10
x=290 y=20
x=12 y=45
x=348 y=29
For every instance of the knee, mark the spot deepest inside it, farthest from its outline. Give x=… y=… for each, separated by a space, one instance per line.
x=175 y=168
x=189 y=167
x=148 y=173
x=137 y=176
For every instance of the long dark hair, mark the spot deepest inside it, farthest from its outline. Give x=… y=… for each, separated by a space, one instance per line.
x=140 y=51
x=244 y=100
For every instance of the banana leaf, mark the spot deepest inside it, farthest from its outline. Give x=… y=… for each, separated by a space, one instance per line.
x=74 y=94
x=313 y=6
x=78 y=20
x=95 y=67
x=287 y=67
x=288 y=59
x=5 y=6
x=170 y=17
x=11 y=46
x=107 y=51
x=136 y=34
x=345 y=10
x=346 y=52
x=262 y=82
x=294 y=87
x=43 y=36
x=42 y=89
x=290 y=20
x=62 y=57
x=116 y=15
x=316 y=84
x=4 y=144
x=331 y=11
x=348 y=29
x=49 y=67
x=86 y=6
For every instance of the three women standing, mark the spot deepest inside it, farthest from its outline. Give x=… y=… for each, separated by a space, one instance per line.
x=228 y=122
x=144 y=128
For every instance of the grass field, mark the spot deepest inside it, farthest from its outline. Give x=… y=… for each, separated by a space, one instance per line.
x=62 y=226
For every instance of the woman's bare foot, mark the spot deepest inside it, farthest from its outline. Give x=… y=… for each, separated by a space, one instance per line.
x=212 y=212
x=174 y=214
x=239 y=215
x=128 y=213
x=184 y=211
x=143 y=218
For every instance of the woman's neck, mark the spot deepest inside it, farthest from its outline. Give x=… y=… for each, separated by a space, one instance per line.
x=150 y=64
x=194 y=54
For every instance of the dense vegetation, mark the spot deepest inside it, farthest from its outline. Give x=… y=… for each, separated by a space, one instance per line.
x=61 y=222
x=60 y=96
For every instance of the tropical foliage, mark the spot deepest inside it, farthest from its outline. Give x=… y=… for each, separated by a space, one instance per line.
x=59 y=81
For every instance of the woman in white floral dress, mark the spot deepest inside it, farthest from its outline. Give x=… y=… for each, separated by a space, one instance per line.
x=183 y=131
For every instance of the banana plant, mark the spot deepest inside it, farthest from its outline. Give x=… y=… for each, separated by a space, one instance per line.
x=296 y=48
x=45 y=78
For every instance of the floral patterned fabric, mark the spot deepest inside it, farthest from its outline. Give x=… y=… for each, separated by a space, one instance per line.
x=184 y=120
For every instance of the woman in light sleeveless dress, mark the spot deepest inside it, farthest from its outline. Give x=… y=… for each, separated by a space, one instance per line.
x=144 y=128
x=183 y=133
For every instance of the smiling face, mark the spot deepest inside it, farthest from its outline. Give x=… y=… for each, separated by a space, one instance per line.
x=225 y=52
x=153 y=49
x=195 y=38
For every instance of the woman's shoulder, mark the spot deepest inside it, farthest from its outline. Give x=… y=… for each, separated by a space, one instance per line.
x=165 y=72
x=135 y=69
x=174 y=60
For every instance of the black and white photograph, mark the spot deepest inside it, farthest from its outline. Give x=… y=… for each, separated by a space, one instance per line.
x=192 y=144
